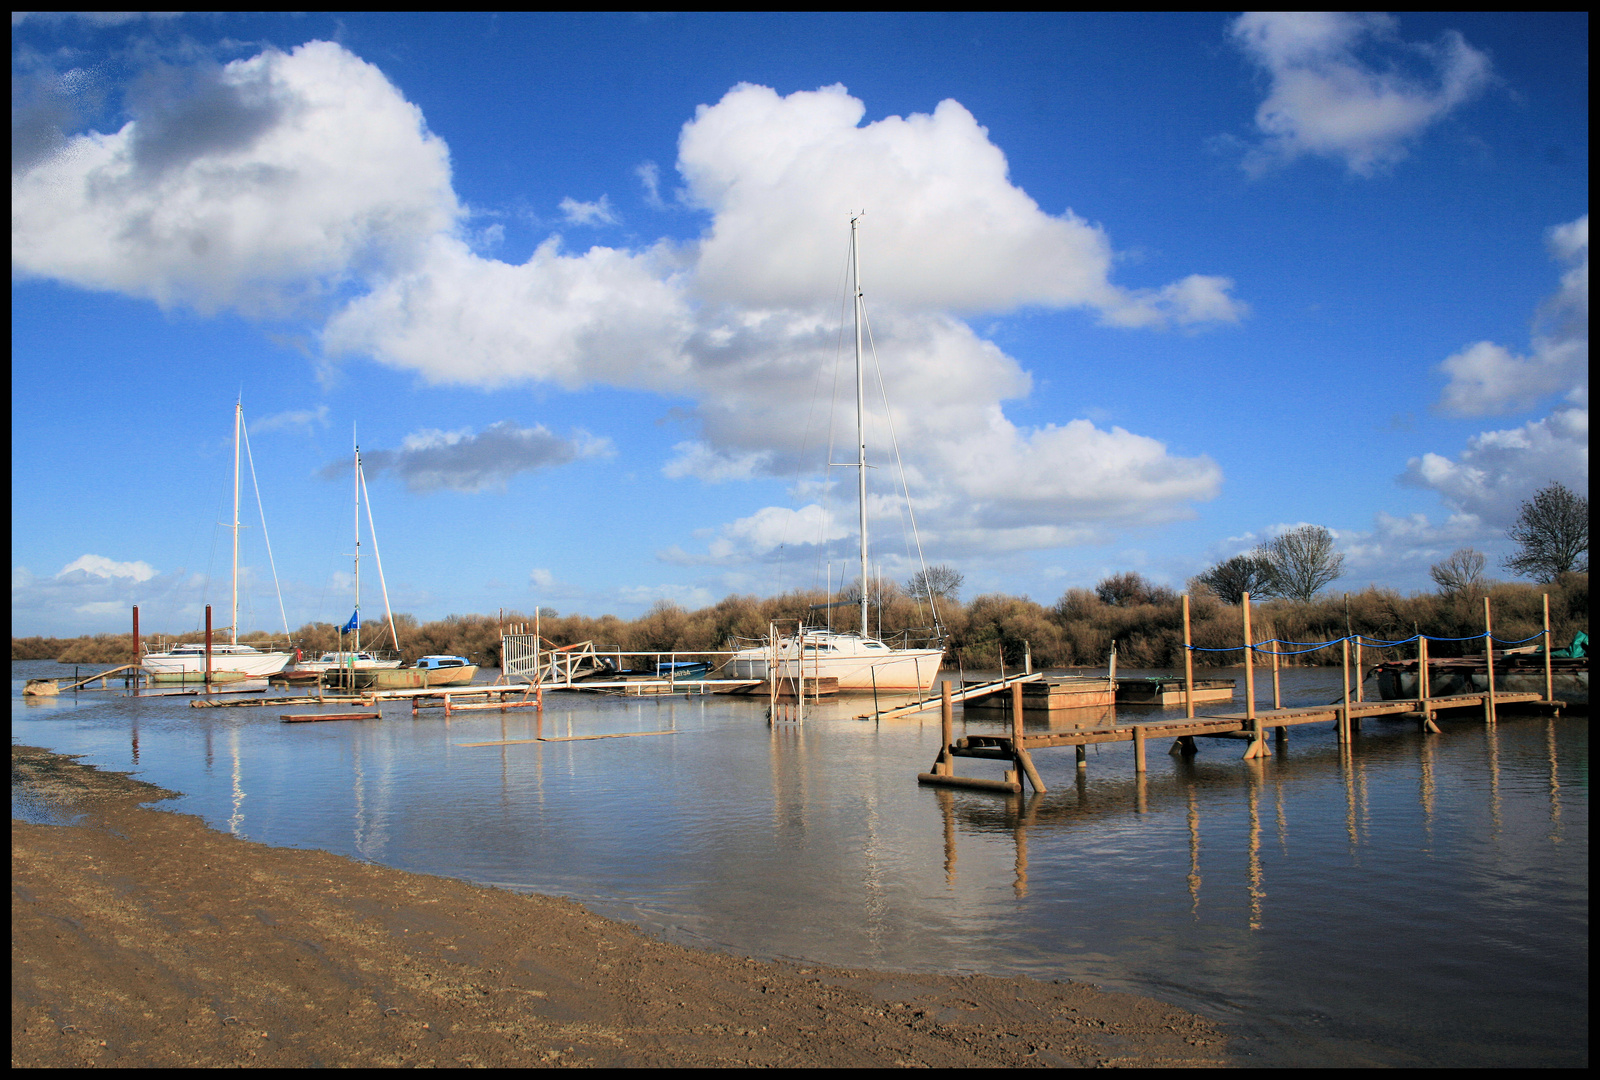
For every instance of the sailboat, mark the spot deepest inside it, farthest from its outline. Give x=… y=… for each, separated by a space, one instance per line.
x=857 y=659
x=354 y=659
x=230 y=661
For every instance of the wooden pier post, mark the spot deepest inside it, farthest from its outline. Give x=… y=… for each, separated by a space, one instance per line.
x=1188 y=664
x=1423 y=681
x=137 y=659
x=1277 y=695
x=945 y=766
x=1249 y=665
x=1360 y=681
x=1019 y=750
x=1258 y=745
x=1344 y=681
x=208 y=646
x=1549 y=678
x=1488 y=664
x=1138 y=748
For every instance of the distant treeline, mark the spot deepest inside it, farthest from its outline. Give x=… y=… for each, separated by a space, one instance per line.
x=1145 y=621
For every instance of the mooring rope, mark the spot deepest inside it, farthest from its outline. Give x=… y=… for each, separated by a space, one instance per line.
x=1358 y=639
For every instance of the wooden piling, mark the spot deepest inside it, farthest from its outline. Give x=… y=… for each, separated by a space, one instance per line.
x=1258 y=747
x=1344 y=682
x=1188 y=664
x=1277 y=696
x=1019 y=751
x=208 y=646
x=1249 y=662
x=1423 y=682
x=1549 y=680
x=946 y=764
x=1488 y=664
x=1138 y=749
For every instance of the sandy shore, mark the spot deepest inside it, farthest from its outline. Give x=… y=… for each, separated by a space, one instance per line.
x=144 y=938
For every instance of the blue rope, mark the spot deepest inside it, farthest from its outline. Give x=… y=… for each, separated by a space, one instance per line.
x=1540 y=634
x=1358 y=639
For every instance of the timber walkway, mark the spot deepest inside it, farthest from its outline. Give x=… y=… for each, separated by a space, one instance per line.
x=1250 y=726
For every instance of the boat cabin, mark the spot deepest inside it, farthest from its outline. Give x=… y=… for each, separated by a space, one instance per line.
x=436 y=662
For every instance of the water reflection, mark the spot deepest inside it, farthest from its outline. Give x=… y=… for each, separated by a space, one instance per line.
x=1349 y=766
x=1465 y=852
x=1194 y=852
x=236 y=776
x=1555 y=781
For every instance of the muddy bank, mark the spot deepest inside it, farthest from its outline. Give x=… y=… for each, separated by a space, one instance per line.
x=144 y=938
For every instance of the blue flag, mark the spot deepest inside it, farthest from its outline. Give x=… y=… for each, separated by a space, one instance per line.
x=355 y=622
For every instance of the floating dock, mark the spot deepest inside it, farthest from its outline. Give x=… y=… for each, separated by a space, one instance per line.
x=1043 y=695
x=1169 y=690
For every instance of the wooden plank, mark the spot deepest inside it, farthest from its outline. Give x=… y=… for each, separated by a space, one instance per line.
x=976 y=690
x=495 y=705
x=311 y=718
x=941 y=780
x=612 y=735
x=567 y=738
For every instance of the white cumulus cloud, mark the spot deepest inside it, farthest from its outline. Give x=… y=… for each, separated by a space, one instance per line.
x=1500 y=469
x=1339 y=85
x=306 y=174
x=949 y=230
x=269 y=180
x=1489 y=378
x=102 y=567
x=598 y=212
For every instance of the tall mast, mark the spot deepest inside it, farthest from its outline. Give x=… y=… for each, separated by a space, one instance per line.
x=238 y=418
x=357 y=646
x=861 y=424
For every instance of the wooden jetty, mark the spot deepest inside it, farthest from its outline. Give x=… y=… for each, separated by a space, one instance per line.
x=1250 y=726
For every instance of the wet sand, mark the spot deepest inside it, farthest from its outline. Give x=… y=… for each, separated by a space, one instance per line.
x=144 y=938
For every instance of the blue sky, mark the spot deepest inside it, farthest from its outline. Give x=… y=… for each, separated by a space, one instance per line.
x=1144 y=290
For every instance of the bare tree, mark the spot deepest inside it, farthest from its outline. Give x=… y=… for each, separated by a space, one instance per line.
x=1248 y=573
x=1461 y=572
x=1120 y=590
x=942 y=582
x=1302 y=561
x=1125 y=590
x=1552 y=534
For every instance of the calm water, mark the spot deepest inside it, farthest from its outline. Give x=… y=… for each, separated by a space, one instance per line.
x=1420 y=901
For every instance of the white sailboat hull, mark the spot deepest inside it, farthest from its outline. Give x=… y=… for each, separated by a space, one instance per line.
x=191 y=667
x=345 y=663
x=857 y=664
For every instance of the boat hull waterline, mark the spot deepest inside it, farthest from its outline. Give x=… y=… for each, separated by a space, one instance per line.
x=867 y=666
x=228 y=663
x=414 y=678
